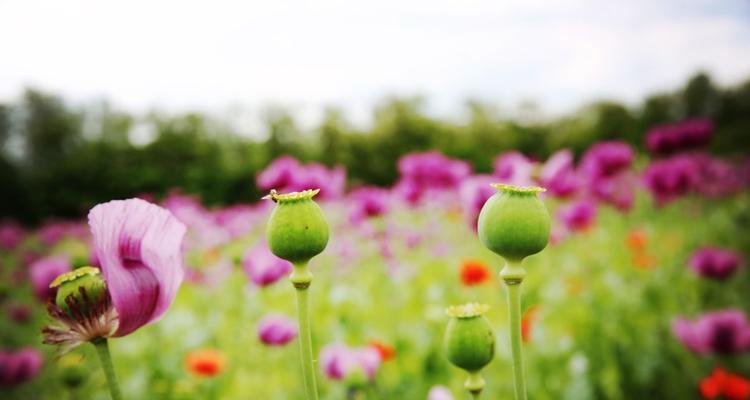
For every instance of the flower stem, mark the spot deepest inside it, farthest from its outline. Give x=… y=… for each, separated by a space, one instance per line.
x=301 y=278
x=514 y=307
x=102 y=349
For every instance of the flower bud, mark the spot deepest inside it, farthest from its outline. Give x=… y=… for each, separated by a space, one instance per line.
x=297 y=230
x=81 y=289
x=514 y=222
x=469 y=341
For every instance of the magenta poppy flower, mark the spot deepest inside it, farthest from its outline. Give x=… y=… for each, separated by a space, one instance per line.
x=715 y=263
x=263 y=267
x=671 y=138
x=578 y=216
x=19 y=366
x=473 y=193
x=606 y=159
x=11 y=235
x=280 y=175
x=558 y=174
x=671 y=178
x=276 y=330
x=43 y=271
x=721 y=332
x=428 y=172
x=286 y=174
x=138 y=245
x=368 y=202
x=338 y=361
x=439 y=392
x=514 y=168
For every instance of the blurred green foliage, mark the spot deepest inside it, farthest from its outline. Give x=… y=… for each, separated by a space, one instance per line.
x=59 y=160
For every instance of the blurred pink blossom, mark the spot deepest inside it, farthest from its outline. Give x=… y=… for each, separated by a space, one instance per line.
x=720 y=332
x=276 y=330
x=263 y=267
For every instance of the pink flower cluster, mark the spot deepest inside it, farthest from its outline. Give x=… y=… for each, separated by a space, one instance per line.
x=340 y=362
x=715 y=263
x=17 y=367
x=423 y=173
x=688 y=134
x=286 y=174
x=276 y=330
x=719 y=332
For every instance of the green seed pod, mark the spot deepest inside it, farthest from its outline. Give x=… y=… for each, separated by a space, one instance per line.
x=297 y=230
x=83 y=288
x=469 y=341
x=514 y=222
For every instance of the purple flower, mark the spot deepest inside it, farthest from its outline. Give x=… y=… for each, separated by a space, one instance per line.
x=280 y=174
x=11 y=235
x=558 y=174
x=139 y=247
x=617 y=190
x=17 y=367
x=339 y=361
x=43 y=271
x=428 y=172
x=439 y=392
x=19 y=313
x=53 y=231
x=514 y=168
x=671 y=178
x=286 y=174
x=578 y=216
x=667 y=139
x=715 y=263
x=721 y=332
x=263 y=267
x=606 y=159
x=276 y=330
x=473 y=193
x=717 y=177
x=367 y=202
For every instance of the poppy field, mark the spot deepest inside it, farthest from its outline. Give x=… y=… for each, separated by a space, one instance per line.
x=640 y=288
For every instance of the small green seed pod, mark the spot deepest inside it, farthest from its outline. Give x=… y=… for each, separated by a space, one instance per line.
x=83 y=287
x=297 y=230
x=469 y=341
x=514 y=223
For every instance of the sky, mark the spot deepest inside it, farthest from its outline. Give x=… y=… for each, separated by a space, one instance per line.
x=219 y=55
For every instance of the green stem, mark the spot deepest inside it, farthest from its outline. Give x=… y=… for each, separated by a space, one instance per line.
x=301 y=278
x=514 y=307
x=474 y=384
x=102 y=349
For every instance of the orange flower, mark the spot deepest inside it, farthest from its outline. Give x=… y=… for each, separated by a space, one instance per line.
x=642 y=260
x=205 y=362
x=637 y=240
x=527 y=322
x=386 y=351
x=474 y=272
x=726 y=384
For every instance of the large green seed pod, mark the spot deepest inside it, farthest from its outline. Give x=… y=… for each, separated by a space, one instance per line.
x=83 y=288
x=469 y=341
x=514 y=222
x=297 y=230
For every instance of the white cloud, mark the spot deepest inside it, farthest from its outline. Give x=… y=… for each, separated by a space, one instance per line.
x=212 y=54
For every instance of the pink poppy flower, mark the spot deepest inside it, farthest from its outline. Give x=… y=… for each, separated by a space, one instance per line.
x=43 y=271
x=263 y=267
x=138 y=245
x=276 y=330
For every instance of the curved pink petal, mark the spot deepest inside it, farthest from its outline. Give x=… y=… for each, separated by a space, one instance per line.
x=138 y=245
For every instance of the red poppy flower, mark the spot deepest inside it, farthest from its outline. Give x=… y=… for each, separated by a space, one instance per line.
x=637 y=240
x=205 y=362
x=474 y=272
x=726 y=384
x=386 y=351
